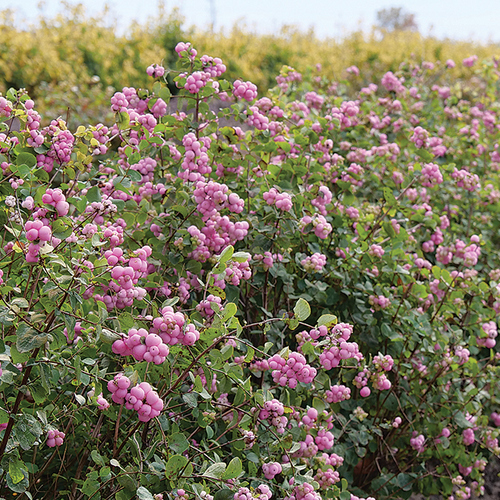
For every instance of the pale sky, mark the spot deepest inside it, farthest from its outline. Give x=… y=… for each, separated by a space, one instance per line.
x=458 y=19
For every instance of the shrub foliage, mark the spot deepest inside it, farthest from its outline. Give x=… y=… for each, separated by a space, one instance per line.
x=289 y=297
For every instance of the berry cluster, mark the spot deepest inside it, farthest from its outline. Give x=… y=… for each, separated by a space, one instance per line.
x=172 y=328
x=217 y=234
x=123 y=288
x=155 y=70
x=257 y=119
x=292 y=370
x=38 y=234
x=431 y=175
x=304 y=491
x=196 y=161
x=213 y=66
x=380 y=381
x=55 y=438
x=196 y=81
x=204 y=307
x=382 y=362
x=186 y=49
x=490 y=329
x=271 y=469
x=273 y=411
x=466 y=180
x=337 y=351
x=420 y=137
x=327 y=478
x=323 y=199
x=33 y=120
x=245 y=90
x=211 y=197
x=361 y=382
x=315 y=263
x=102 y=403
x=236 y=271
x=262 y=492
x=379 y=302
x=322 y=228
x=417 y=442
x=337 y=393
x=6 y=107
x=142 y=345
x=268 y=259
x=468 y=436
x=324 y=439
x=283 y=201
x=141 y=398
x=56 y=198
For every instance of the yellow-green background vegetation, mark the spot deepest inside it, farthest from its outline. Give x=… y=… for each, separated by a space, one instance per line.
x=56 y=58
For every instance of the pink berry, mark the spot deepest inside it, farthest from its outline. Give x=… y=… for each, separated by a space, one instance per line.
x=365 y=392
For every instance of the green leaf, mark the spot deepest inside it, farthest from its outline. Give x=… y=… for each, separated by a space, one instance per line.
x=62 y=228
x=174 y=465
x=124 y=494
x=16 y=468
x=230 y=310
x=80 y=399
x=123 y=120
x=445 y=442
x=224 y=494
x=126 y=321
x=234 y=469
x=226 y=254
x=97 y=458
x=134 y=175
x=90 y=486
x=108 y=337
x=436 y=272
x=127 y=481
x=445 y=274
x=329 y=320
x=191 y=399
x=38 y=392
x=4 y=416
x=29 y=339
x=250 y=354
x=424 y=154
x=19 y=487
x=405 y=482
x=391 y=403
x=319 y=405
x=93 y=194
x=462 y=421
x=27 y=430
x=216 y=470
x=302 y=310
x=241 y=257
x=178 y=443
x=179 y=209
x=16 y=356
x=389 y=196
x=20 y=302
x=165 y=94
x=144 y=494
x=26 y=159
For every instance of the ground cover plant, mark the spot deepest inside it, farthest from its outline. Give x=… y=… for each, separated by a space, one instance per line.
x=293 y=296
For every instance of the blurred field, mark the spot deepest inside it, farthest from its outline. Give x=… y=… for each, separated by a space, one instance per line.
x=72 y=63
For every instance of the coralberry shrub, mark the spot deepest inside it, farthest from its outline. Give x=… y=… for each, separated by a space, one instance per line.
x=286 y=297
